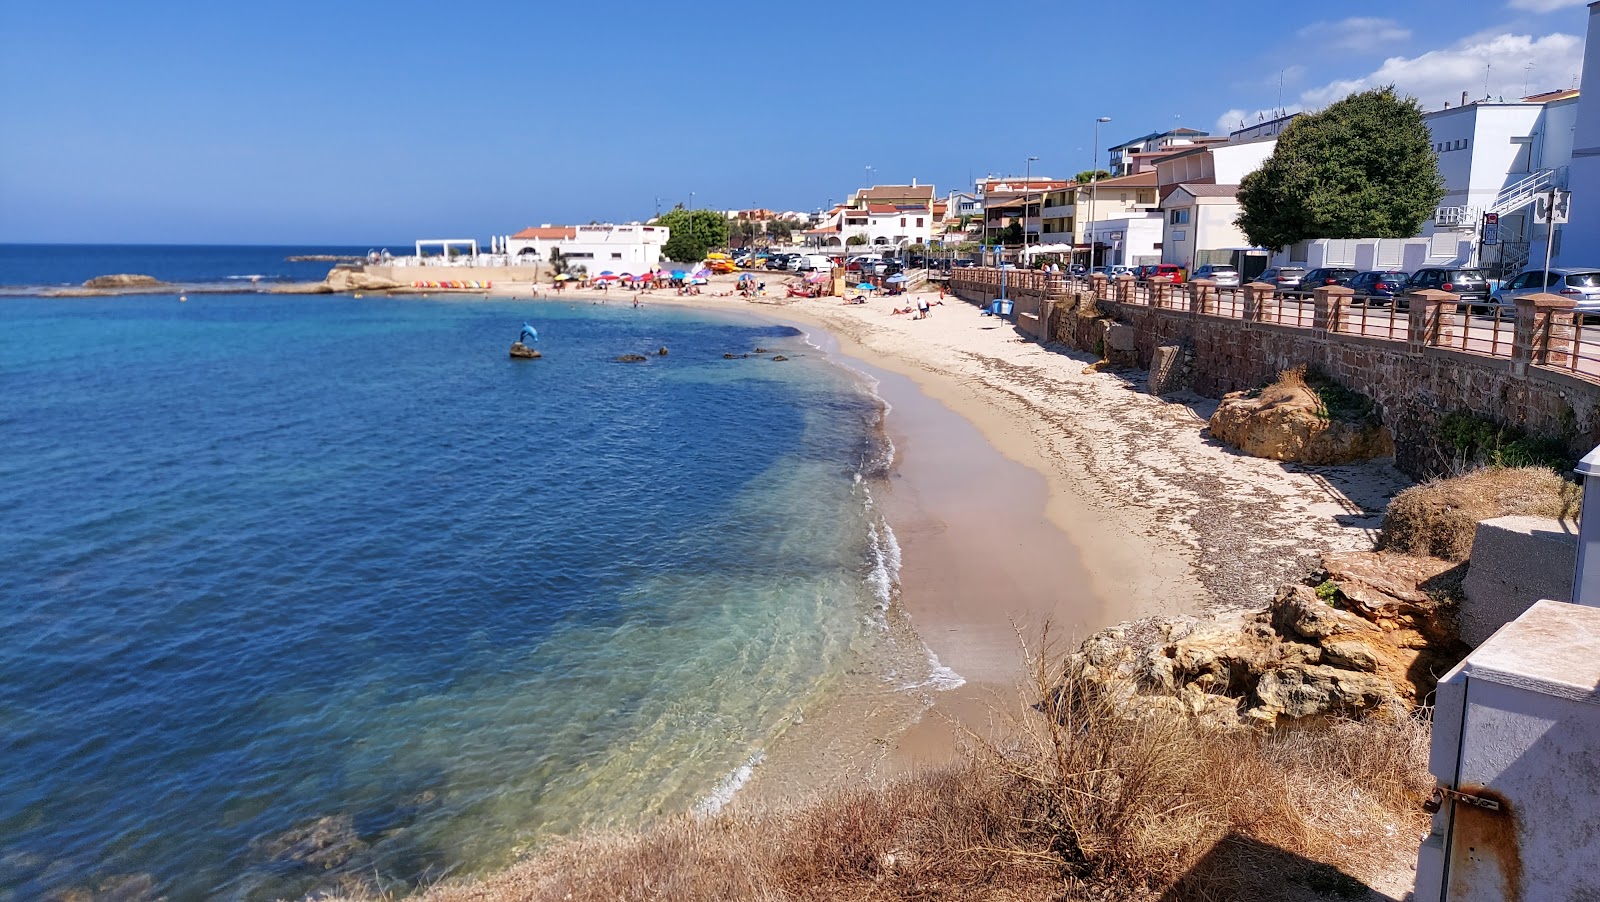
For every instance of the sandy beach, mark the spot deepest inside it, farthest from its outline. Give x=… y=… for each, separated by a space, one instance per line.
x=1030 y=488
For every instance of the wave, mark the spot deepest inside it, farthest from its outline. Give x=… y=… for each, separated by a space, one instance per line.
x=258 y=277
x=729 y=786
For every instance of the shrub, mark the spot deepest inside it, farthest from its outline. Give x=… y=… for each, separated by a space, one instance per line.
x=1439 y=517
x=1478 y=440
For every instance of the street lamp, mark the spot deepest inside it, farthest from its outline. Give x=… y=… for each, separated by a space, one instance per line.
x=1094 y=176
x=1027 y=197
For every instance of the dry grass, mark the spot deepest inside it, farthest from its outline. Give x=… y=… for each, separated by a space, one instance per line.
x=1438 y=518
x=1093 y=797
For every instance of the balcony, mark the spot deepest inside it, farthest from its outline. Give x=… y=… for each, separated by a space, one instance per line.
x=1064 y=211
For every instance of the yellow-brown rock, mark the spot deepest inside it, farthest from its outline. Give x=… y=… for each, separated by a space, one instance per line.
x=1287 y=421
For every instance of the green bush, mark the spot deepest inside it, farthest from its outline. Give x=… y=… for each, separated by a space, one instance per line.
x=1480 y=440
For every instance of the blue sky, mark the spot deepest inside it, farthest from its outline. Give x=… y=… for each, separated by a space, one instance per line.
x=369 y=123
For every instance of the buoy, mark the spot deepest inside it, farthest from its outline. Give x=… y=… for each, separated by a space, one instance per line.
x=183 y=299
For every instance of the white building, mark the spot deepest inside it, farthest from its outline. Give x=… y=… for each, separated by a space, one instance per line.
x=1120 y=155
x=630 y=248
x=883 y=216
x=1199 y=201
x=1128 y=240
x=1581 y=244
x=1497 y=157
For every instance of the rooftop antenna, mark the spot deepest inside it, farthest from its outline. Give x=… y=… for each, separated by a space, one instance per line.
x=1280 y=91
x=1526 y=68
x=1486 y=68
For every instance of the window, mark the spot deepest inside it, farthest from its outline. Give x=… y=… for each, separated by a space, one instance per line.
x=1180 y=217
x=919 y=222
x=1123 y=197
x=616 y=256
x=902 y=222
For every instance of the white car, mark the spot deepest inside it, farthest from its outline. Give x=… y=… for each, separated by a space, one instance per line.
x=1581 y=285
x=814 y=263
x=1223 y=274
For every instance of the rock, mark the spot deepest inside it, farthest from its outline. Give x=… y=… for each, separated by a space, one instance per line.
x=324 y=844
x=730 y=356
x=761 y=350
x=780 y=357
x=1380 y=581
x=1288 y=422
x=523 y=352
x=662 y=352
x=124 y=280
x=341 y=279
x=126 y=888
x=1121 y=337
x=631 y=358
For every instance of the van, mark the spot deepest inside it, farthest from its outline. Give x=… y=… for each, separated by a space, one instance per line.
x=815 y=263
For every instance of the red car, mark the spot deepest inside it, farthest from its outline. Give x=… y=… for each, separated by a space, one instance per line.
x=1165 y=272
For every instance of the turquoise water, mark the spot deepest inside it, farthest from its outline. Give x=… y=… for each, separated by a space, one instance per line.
x=284 y=567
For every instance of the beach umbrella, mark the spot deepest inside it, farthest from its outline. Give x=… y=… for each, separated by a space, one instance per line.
x=897 y=277
x=697 y=280
x=563 y=278
x=678 y=274
x=815 y=277
x=866 y=286
x=745 y=277
x=702 y=274
x=605 y=277
x=607 y=272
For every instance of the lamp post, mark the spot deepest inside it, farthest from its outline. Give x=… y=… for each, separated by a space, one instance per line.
x=1094 y=176
x=1027 y=197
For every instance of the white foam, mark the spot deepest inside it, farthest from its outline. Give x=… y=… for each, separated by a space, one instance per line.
x=729 y=786
x=940 y=678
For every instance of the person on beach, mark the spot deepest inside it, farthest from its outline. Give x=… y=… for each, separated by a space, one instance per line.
x=922 y=308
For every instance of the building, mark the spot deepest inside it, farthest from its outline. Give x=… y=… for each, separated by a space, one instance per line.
x=1199 y=201
x=1581 y=246
x=1075 y=214
x=631 y=248
x=1119 y=161
x=1498 y=157
x=882 y=217
x=1010 y=199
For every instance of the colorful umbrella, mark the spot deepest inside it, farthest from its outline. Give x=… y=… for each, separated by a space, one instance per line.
x=815 y=277
x=605 y=277
x=702 y=274
x=563 y=278
x=866 y=286
x=607 y=272
x=745 y=277
x=678 y=274
x=897 y=277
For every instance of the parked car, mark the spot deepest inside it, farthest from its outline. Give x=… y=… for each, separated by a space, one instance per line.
x=1287 y=278
x=778 y=261
x=918 y=261
x=1144 y=271
x=1581 y=285
x=1471 y=284
x=1078 y=269
x=1167 y=272
x=814 y=263
x=966 y=264
x=1378 y=287
x=1327 y=275
x=1224 y=274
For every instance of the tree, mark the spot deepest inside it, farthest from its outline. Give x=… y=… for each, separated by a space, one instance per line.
x=1362 y=168
x=558 y=263
x=1084 y=177
x=1011 y=234
x=693 y=233
x=856 y=240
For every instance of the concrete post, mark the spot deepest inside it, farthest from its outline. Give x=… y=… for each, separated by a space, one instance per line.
x=1586 y=579
x=1098 y=286
x=1427 y=313
x=1330 y=303
x=1545 y=329
x=1257 y=295
x=1161 y=294
x=1125 y=288
x=1203 y=296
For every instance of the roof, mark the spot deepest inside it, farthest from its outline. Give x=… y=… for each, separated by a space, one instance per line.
x=889 y=192
x=547 y=232
x=882 y=208
x=1551 y=96
x=1146 y=179
x=1196 y=189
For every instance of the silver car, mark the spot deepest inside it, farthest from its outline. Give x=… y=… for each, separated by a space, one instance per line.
x=1581 y=285
x=1225 y=275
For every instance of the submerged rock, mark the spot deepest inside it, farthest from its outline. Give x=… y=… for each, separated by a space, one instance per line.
x=730 y=356
x=523 y=352
x=780 y=357
x=631 y=358
x=324 y=844
x=124 y=280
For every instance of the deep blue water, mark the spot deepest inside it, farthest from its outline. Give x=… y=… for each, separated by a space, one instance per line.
x=57 y=265
x=338 y=565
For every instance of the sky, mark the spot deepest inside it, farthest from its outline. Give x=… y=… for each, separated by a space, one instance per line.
x=380 y=123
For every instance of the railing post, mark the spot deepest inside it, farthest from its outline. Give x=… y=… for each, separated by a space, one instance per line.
x=1203 y=296
x=1161 y=293
x=1125 y=288
x=1544 y=332
x=1330 y=303
x=1256 y=298
x=1427 y=316
x=1098 y=285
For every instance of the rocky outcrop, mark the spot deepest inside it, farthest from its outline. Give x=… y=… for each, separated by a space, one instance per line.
x=1374 y=633
x=342 y=279
x=1289 y=421
x=322 y=844
x=522 y=352
x=124 y=280
x=631 y=358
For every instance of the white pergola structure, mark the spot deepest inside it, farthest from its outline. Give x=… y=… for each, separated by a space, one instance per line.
x=445 y=244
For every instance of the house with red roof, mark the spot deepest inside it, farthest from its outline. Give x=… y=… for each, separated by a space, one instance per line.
x=631 y=248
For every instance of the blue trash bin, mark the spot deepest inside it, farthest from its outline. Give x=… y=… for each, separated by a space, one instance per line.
x=1000 y=307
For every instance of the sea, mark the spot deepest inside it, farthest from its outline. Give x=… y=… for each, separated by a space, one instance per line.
x=300 y=591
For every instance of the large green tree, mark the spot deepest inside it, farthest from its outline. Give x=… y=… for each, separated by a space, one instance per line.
x=693 y=233
x=1085 y=176
x=1362 y=168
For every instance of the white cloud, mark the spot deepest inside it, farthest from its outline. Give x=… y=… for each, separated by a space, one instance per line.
x=1439 y=76
x=1545 y=6
x=1360 y=32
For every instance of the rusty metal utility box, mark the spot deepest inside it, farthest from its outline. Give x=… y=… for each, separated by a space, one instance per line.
x=1516 y=751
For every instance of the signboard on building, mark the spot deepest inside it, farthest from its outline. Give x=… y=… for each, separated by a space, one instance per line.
x=1491 y=228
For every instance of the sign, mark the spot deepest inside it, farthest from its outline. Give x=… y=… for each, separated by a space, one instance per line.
x=1491 y=228
x=1546 y=213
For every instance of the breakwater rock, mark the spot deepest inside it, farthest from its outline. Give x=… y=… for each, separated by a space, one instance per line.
x=631 y=358
x=324 y=258
x=1375 y=632
x=124 y=280
x=1290 y=421
x=341 y=279
x=523 y=352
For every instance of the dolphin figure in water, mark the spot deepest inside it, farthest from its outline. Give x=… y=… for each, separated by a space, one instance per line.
x=528 y=333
